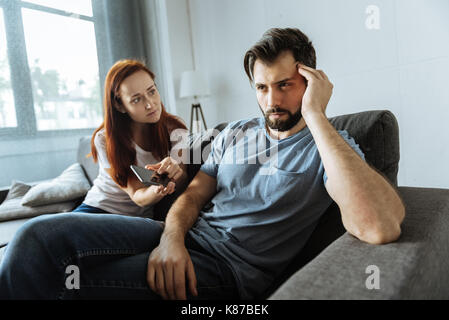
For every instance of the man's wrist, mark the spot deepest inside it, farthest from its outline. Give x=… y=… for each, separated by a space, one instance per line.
x=173 y=235
x=312 y=116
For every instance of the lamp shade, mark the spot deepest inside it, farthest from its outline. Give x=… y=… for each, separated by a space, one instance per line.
x=193 y=84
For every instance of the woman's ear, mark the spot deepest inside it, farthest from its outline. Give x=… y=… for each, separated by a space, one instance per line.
x=119 y=106
x=121 y=109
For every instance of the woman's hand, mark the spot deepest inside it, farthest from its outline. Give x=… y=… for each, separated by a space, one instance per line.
x=173 y=170
x=163 y=191
x=169 y=166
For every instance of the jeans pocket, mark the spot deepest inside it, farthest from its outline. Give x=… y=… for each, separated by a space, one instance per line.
x=215 y=280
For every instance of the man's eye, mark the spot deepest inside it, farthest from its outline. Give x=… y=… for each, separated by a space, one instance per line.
x=152 y=92
x=260 y=88
x=283 y=85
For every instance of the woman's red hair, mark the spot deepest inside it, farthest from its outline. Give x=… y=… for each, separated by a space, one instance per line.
x=119 y=145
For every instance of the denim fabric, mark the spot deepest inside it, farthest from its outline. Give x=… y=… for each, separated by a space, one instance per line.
x=89 y=209
x=111 y=252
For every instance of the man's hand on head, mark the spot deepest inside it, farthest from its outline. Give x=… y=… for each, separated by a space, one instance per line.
x=318 y=91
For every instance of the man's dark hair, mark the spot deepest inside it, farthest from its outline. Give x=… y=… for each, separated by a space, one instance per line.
x=275 y=41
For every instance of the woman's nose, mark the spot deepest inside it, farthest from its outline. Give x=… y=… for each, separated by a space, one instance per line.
x=148 y=102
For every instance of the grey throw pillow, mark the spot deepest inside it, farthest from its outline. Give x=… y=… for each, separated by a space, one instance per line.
x=18 y=189
x=12 y=208
x=70 y=185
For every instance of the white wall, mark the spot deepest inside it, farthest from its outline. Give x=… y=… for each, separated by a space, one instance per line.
x=402 y=67
x=183 y=32
x=157 y=46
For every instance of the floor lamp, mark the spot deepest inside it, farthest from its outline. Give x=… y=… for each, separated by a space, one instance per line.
x=194 y=84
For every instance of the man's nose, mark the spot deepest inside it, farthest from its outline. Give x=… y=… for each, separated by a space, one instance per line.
x=274 y=98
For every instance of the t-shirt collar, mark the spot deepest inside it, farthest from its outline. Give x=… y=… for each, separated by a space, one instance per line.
x=298 y=135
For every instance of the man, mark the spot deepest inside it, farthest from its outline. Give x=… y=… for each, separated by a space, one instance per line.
x=258 y=226
x=263 y=213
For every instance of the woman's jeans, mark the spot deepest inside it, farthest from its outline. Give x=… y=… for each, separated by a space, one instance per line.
x=88 y=209
x=110 y=252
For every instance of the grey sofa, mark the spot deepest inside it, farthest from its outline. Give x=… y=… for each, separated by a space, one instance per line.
x=333 y=264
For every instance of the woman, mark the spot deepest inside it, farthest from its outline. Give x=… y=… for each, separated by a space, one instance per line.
x=111 y=251
x=136 y=130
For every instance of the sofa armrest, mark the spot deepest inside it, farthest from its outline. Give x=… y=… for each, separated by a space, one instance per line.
x=413 y=267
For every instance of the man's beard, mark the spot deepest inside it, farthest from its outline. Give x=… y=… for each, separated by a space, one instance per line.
x=282 y=125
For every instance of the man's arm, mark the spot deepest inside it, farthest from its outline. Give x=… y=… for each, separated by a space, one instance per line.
x=169 y=264
x=371 y=208
x=184 y=212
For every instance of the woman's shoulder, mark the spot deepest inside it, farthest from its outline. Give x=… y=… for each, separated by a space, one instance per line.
x=100 y=138
x=100 y=134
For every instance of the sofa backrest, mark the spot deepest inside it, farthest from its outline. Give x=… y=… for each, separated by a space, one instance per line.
x=377 y=133
x=89 y=166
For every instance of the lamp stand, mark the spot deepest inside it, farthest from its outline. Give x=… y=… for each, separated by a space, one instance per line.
x=195 y=109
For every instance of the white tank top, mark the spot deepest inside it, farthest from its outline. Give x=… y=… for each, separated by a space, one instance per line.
x=106 y=194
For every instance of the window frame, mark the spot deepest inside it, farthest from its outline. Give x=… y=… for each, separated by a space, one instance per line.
x=20 y=71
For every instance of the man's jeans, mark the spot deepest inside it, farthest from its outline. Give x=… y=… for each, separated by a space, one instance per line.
x=111 y=252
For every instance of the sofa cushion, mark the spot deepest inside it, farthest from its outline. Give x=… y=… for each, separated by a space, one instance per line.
x=70 y=184
x=12 y=208
x=87 y=162
x=17 y=190
x=9 y=228
x=377 y=134
x=413 y=267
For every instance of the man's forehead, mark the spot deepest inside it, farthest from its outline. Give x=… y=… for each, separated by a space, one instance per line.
x=284 y=67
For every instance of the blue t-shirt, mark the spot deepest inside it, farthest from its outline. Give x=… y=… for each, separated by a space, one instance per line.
x=270 y=196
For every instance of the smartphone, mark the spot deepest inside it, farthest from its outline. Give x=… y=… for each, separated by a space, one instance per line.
x=150 y=177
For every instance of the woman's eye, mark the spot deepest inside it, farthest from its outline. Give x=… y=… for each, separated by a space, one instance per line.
x=136 y=100
x=152 y=92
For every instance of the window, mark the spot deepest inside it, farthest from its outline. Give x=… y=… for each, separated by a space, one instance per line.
x=49 y=70
x=7 y=114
